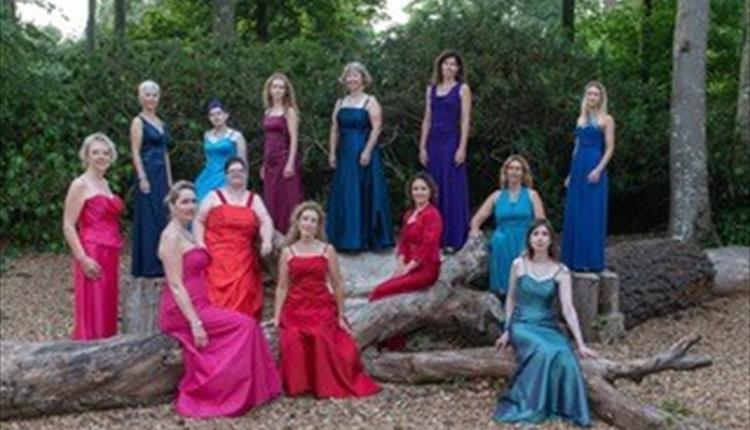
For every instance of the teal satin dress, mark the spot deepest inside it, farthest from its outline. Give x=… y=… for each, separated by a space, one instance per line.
x=512 y=221
x=548 y=383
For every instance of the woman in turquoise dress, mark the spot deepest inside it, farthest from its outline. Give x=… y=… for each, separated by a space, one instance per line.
x=359 y=216
x=548 y=383
x=219 y=144
x=514 y=206
x=584 y=235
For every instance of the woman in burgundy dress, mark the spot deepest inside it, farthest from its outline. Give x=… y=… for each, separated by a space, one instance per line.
x=318 y=354
x=91 y=225
x=443 y=143
x=281 y=171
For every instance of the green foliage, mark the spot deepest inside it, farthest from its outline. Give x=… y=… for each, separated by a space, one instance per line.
x=525 y=77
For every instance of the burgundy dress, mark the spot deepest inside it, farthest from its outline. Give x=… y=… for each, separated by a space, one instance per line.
x=317 y=355
x=235 y=371
x=280 y=194
x=95 y=308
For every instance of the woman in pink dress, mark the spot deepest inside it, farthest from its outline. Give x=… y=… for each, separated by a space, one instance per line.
x=281 y=171
x=318 y=353
x=91 y=225
x=228 y=367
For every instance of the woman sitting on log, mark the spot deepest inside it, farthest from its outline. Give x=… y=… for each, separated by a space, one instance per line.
x=318 y=353
x=91 y=225
x=228 y=366
x=548 y=383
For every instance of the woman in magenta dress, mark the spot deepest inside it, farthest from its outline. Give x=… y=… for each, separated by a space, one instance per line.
x=281 y=171
x=228 y=366
x=443 y=143
x=318 y=354
x=418 y=252
x=91 y=225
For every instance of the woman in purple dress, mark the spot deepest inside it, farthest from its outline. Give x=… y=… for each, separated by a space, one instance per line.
x=442 y=145
x=281 y=171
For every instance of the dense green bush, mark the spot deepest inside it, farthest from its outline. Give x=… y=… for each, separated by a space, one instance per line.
x=525 y=76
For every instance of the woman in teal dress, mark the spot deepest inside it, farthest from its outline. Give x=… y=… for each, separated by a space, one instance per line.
x=219 y=144
x=359 y=216
x=514 y=206
x=548 y=383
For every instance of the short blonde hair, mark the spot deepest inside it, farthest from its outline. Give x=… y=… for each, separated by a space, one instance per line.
x=294 y=234
x=356 y=66
x=527 y=180
x=96 y=137
x=290 y=101
x=148 y=85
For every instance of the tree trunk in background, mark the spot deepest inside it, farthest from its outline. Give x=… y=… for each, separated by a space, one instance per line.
x=91 y=28
x=261 y=20
x=568 y=18
x=224 y=21
x=743 y=94
x=690 y=209
x=647 y=32
x=120 y=17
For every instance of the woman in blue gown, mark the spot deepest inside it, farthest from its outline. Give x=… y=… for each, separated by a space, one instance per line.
x=219 y=144
x=149 y=141
x=548 y=383
x=514 y=206
x=585 y=219
x=359 y=216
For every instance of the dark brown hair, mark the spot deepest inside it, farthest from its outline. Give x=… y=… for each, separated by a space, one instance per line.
x=553 y=250
x=431 y=184
x=437 y=72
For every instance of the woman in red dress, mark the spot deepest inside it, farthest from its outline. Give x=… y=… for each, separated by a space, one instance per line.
x=230 y=223
x=318 y=354
x=418 y=250
x=91 y=225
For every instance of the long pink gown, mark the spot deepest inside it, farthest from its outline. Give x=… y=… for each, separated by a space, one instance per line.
x=235 y=371
x=95 y=309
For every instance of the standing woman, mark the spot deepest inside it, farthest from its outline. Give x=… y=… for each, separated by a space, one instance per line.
x=91 y=225
x=219 y=144
x=418 y=252
x=585 y=219
x=515 y=205
x=358 y=207
x=443 y=142
x=318 y=354
x=281 y=171
x=547 y=383
x=149 y=141
x=228 y=366
x=231 y=223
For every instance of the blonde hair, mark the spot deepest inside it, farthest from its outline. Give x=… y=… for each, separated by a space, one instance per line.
x=96 y=137
x=602 y=100
x=148 y=85
x=289 y=99
x=176 y=189
x=356 y=66
x=527 y=180
x=294 y=234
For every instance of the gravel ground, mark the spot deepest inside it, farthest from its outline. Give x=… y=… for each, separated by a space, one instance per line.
x=36 y=300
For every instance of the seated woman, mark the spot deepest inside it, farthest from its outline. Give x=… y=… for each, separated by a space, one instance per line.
x=318 y=353
x=228 y=367
x=231 y=222
x=418 y=253
x=548 y=382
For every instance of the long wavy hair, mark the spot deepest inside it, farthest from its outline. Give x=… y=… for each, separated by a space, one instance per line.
x=294 y=233
x=289 y=99
x=527 y=180
x=553 y=251
x=602 y=101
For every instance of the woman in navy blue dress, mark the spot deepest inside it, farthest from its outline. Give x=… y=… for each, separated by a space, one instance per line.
x=149 y=139
x=359 y=216
x=585 y=221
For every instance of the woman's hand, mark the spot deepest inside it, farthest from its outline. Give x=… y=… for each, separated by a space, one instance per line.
x=586 y=352
x=332 y=160
x=503 y=341
x=423 y=158
x=265 y=248
x=594 y=175
x=567 y=181
x=262 y=172
x=288 y=171
x=199 y=334
x=474 y=233
x=90 y=267
x=344 y=324
x=144 y=186
x=275 y=321
x=460 y=157
x=364 y=158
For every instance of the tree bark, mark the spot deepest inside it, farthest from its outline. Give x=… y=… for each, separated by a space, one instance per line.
x=690 y=210
x=743 y=93
x=224 y=21
x=91 y=28
x=569 y=18
x=120 y=20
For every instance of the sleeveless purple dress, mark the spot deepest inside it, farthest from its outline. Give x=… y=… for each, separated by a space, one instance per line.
x=280 y=194
x=453 y=184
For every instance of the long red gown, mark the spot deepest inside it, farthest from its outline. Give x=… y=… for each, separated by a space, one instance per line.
x=420 y=241
x=317 y=355
x=95 y=309
x=235 y=371
x=234 y=278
